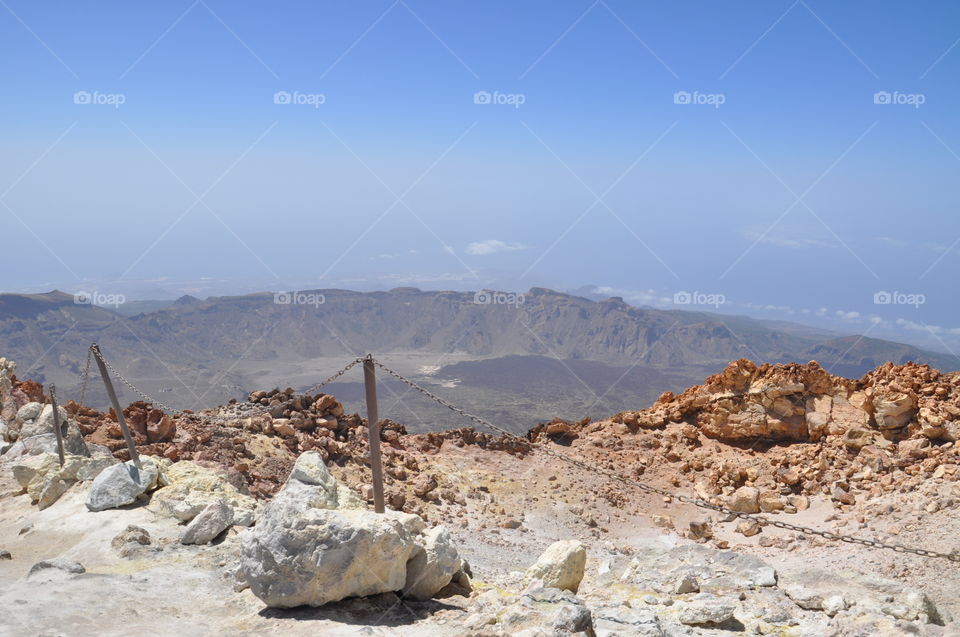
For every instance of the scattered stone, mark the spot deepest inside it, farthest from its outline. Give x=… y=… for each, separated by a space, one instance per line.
x=745 y=500
x=5 y=555
x=60 y=564
x=208 y=524
x=128 y=540
x=749 y=528
x=121 y=484
x=687 y=583
x=560 y=566
x=705 y=608
x=192 y=488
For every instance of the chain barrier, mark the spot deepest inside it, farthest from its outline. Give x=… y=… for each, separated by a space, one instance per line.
x=698 y=502
x=85 y=376
x=207 y=419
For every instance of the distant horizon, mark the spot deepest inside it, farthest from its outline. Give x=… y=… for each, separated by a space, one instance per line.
x=796 y=158
x=592 y=293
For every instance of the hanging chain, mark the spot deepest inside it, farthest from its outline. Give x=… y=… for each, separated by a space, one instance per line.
x=85 y=376
x=174 y=412
x=698 y=502
x=343 y=371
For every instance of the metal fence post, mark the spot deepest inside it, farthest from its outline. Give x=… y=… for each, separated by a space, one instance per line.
x=373 y=424
x=116 y=406
x=56 y=423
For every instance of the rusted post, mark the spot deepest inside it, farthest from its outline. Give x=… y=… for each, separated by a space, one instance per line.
x=116 y=406
x=56 y=423
x=373 y=424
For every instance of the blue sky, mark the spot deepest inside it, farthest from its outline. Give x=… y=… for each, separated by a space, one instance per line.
x=796 y=197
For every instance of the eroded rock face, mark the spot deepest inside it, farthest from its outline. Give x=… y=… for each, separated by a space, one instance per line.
x=805 y=403
x=312 y=546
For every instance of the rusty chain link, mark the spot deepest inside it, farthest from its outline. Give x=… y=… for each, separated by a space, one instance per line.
x=698 y=502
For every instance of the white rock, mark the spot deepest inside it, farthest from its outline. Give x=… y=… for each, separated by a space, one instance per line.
x=324 y=555
x=706 y=609
x=28 y=412
x=208 y=524
x=122 y=484
x=43 y=422
x=192 y=488
x=560 y=566
x=433 y=566
x=308 y=549
x=834 y=604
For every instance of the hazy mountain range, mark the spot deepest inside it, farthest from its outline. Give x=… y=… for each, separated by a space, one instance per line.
x=517 y=358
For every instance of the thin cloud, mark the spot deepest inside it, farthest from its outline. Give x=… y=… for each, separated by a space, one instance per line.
x=492 y=246
x=789 y=242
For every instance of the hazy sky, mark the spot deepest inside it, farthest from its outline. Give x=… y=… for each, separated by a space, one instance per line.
x=792 y=158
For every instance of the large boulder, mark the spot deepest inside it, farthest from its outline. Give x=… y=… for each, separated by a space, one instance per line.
x=325 y=555
x=315 y=544
x=192 y=488
x=560 y=566
x=121 y=484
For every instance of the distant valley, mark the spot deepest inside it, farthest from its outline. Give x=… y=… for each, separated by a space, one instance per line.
x=552 y=355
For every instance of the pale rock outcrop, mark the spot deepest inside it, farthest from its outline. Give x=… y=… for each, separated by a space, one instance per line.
x=705 y=608
x=43 y=422
x=121 y=484
x=45 y=480
x=305 y=551
x=191 y=488
x=560 y=566
x=35 y=434
x=547 y=611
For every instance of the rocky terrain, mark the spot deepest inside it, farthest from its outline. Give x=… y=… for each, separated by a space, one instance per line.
x=492 y=534
x=512 y=359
